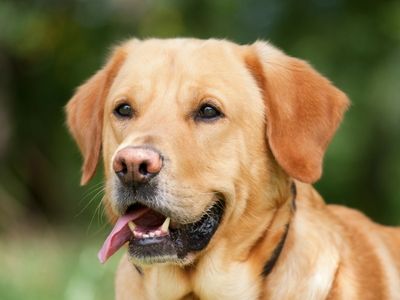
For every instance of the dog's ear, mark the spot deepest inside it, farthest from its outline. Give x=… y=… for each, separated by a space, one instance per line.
x=85 y=113
x=303 y=110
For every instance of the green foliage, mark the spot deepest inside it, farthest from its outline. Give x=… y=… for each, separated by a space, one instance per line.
x=51 y=265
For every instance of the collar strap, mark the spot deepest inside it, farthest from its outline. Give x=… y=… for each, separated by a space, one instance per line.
x=279 y=247
x=275 y=254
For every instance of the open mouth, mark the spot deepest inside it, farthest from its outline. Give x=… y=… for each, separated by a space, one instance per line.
x=154 y=238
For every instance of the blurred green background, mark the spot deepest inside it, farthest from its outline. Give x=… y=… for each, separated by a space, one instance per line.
x=51 y=229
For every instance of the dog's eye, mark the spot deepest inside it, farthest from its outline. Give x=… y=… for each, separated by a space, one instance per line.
x=123 y=110
x=208 y=112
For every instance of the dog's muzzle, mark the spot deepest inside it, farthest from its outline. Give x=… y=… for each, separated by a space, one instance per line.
x=155 y=233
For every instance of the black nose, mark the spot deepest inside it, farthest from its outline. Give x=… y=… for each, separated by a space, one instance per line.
x=137 y=165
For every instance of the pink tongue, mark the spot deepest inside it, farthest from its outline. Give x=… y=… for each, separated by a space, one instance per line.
x=119 y=235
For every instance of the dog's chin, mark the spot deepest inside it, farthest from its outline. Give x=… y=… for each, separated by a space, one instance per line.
x=180 y=243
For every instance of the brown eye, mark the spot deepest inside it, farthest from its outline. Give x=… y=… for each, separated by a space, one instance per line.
x=123 y=110
x=208 y=112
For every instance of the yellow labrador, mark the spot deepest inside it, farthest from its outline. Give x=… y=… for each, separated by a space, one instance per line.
x=209 y=150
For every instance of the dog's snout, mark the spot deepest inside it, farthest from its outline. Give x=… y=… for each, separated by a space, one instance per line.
x=136 y=165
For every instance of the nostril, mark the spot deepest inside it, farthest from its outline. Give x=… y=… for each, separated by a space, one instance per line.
x=143 y=168
x=124 y=168
x=121 y=168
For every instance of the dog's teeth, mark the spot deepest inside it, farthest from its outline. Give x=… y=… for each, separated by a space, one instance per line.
x=157 y=232
x=132 y=226
x=137 y=234
x=152 y=234
x=145 y=235
x=165 y=225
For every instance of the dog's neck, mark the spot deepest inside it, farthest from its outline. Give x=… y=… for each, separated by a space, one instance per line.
x=263 y=225
x=269 y=265
x=266 y=251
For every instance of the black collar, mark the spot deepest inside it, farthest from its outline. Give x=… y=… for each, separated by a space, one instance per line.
x=269 y=265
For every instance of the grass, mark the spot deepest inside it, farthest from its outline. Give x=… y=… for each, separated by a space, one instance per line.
x=49 y=264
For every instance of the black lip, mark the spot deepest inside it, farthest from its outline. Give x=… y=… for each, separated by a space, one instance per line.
x=180 y=241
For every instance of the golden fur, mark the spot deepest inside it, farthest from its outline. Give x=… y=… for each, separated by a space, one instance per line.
x=280 y=115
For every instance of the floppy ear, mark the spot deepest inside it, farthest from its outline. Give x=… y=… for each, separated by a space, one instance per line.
x=303 y=110
x=85 y=113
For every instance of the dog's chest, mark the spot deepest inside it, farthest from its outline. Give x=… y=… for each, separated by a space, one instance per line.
x=211 y=279
x=216 y=280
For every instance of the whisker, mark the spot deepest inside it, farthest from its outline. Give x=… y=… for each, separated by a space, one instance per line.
x=98 y=206
x=99 y=191
x=92 y=190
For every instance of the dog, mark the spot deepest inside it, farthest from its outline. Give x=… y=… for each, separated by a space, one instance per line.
x=210 y=149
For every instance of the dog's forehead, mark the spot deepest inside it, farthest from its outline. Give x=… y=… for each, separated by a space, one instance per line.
x=193 y=62
x=180 y=53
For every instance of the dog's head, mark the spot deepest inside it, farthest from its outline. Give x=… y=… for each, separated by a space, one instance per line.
x=195 y=132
